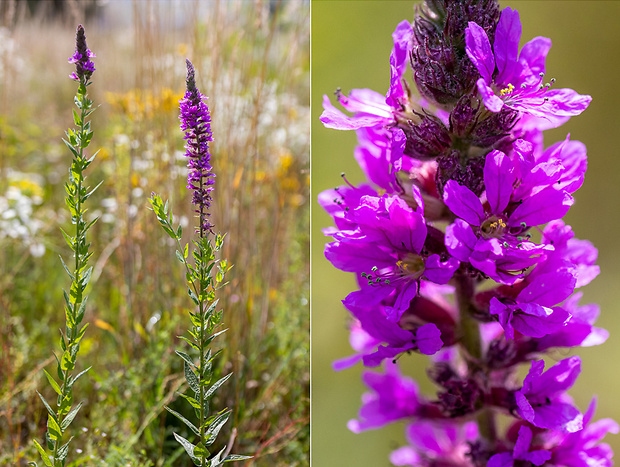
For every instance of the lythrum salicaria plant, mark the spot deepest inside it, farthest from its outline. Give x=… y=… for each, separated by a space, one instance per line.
x=204 y=275
x=460 y=248
x=55 y=448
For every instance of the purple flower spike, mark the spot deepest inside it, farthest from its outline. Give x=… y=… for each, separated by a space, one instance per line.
x=84 y=67
x=459 y=248
x=196 y=123
x=542 y=400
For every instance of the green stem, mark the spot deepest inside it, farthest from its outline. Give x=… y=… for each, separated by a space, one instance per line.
x=469 y=327
x=471 y=343
x=73 y=331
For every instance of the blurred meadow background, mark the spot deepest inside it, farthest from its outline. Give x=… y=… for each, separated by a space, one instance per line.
x=252 y=60
x=351 y=43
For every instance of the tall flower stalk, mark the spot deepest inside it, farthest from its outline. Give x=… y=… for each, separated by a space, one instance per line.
x=78 y=140
x=460 y=248
x=204 y=277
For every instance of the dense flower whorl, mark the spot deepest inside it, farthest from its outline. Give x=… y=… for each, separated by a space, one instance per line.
x=196 y=124
x=84 y=67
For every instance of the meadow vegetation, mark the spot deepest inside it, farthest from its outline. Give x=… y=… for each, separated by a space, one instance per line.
x=252 y=60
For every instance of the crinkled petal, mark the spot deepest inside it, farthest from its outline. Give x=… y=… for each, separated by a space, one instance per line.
x=460 y=240
x=532 y=61
x=546 y=205
x=399 y=59
x=478 y=49
x=503 y=459
x=548 y=289
x=506 y=45
x=499 y=177
x=428 y=340
x=463 y=202
x=440 y=272
x=491 y=101
x=334 y=118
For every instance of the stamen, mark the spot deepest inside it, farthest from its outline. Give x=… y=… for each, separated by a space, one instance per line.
x=507 y=90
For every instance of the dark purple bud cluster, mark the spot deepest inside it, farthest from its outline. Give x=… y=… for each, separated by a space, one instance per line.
x=441 y=69
x=84 y=67
x=441 y=243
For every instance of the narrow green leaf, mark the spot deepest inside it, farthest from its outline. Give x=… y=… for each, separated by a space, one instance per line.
x=191 y=378
x=65 y=404
x=193 y=402
x=190 y=425
x=66 y=268
x=201 y=451
x=189 y=448
x=215 y=427
x=47 y=406
x=76 y=118
x=216 y=385
x=189 y=342
x=64 y=450
x=236 y=457
x=186 y=357
x=75 y=378
x=67 y=363
x=53 y=428
x=180 y=256
x=44 y=457
x=70 y=416
x=53 y=382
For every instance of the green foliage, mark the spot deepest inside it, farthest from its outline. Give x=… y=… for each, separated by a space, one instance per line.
x=58 y=420
x=202 y=282
x=136 y=306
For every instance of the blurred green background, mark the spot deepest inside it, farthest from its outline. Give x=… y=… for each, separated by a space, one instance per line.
x=351 y=43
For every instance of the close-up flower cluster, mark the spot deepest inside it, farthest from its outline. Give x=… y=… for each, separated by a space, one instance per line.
x=459 y=246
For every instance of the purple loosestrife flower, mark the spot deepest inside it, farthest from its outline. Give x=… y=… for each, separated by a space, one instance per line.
x=196 y=124
x=84 y=67
x=394 y=397
x=518 y=77
x=521 y=452
x=436 y=444
x=542 y=400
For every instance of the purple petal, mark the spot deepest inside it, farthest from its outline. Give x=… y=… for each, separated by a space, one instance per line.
x=384 y=352
x=504 y=314
x=440 y=272
x=460 y=240
x=491 y=101
x=532 y=61
x=566 y=102
x=548 y=289
x=522 y=446
x=427 y=338
x=546 y=205
x=538 y=321
x=463 y=202
x=358 y=257
x=499 y=177
x=334 y=118
x=478 y=49
x=346 y=362
x=503 y=459
x=506 y=45
x=398 y=61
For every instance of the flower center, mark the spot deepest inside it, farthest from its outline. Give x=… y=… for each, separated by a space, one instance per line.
x=493 y=227
x=411 y=265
